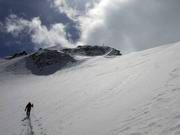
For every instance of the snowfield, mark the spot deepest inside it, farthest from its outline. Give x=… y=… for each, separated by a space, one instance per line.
x=134 y=94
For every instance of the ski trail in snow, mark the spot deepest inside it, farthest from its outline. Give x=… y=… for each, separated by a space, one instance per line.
x=28 y=128
x=32 y=128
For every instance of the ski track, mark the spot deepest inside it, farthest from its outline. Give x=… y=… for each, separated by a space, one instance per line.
x=30 y=125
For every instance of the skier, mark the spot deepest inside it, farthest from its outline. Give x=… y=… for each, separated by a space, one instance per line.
x=28 y=109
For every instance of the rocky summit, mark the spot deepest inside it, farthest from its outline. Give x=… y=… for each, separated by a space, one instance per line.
x=88 y=50
x=48 y=61
x=23 y=53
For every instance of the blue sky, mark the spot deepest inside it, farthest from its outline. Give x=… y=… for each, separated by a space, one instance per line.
x=28 y=10
x=128 y=25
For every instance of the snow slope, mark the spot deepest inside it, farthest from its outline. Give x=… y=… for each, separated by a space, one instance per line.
x=135 y=94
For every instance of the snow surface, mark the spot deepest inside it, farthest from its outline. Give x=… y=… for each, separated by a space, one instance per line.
x=134 y=94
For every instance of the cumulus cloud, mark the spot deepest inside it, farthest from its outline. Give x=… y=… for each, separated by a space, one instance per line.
x=73 y=8
x=105 y=24
x=64 y=7
x=40 y=34
x=131 y=24
x=128 y=25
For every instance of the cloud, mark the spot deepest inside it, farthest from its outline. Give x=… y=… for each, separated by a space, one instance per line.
x=64 y=7
x=40 y=34
x=73 y=8
x=128 y=25
x=131 y=25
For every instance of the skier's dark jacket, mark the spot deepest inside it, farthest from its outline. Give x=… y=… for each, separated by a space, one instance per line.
x=28 y=107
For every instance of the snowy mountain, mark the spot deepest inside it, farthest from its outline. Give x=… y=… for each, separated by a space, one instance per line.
x=135 y=94
x=48 y=61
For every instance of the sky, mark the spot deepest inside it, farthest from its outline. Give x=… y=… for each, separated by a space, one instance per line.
x=127 y=25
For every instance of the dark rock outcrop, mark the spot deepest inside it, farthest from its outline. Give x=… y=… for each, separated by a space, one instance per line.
x=46 y=61
x=92 y=51
x=23 y=53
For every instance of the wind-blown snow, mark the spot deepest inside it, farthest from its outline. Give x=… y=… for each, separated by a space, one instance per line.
x=135 y=94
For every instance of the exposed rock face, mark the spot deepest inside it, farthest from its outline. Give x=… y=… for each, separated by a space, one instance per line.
x=92 y=51
x=48 y=61
x=17 y=55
